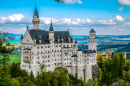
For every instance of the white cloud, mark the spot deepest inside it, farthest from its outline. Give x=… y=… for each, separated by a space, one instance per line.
x=73 y=1
x=120 y=9
x=124 y=2
x=127 y=23
x=16 y=17
x=119 y=18
x=18 y=25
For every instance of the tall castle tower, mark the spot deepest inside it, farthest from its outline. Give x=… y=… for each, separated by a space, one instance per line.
x=92 y=42
x=35 y=20
x=51 y=32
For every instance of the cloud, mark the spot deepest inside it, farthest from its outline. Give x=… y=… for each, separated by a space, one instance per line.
x=78 y=26
x=120 y=9
x=73 y=1
x=127 y=23
x=16 y=17
x=119 y=18
x=124 y=2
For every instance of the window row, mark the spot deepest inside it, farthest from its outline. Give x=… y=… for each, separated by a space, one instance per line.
x=42 y=47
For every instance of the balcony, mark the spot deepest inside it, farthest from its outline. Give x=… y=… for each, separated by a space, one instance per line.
x=27 y=52
x=27 y=59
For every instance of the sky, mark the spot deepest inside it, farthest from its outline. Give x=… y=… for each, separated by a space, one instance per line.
x=106 y=17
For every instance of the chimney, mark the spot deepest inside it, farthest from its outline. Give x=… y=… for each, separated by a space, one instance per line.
x=68 y=39
x=39 y=41
x=34 y=41
x=58 y=40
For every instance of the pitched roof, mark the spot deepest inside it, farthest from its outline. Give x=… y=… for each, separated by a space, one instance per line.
x=44 y=36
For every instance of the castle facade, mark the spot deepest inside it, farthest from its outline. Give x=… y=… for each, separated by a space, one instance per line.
x=56 y=49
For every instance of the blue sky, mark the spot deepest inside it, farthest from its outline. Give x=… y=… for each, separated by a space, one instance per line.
x=107 y=17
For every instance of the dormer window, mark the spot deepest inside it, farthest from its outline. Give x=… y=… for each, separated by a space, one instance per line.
x=34 y=41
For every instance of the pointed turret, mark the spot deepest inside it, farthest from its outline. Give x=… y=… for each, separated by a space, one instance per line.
x=35 y=20
x=51 y=33
x=21 y=36
x=35 y=12
x=27 y=27
x=51 y=27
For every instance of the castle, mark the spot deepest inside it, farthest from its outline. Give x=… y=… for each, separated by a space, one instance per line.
x=56 y=49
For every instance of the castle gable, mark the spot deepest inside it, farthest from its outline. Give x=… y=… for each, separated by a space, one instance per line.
x=27 y=38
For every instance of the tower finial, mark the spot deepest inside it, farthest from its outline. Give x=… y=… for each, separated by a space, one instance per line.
x=51 y=27
x=35 y=12
x=27 y=27
x=35 y=7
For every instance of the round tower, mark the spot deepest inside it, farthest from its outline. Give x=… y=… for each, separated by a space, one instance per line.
x=92 y=42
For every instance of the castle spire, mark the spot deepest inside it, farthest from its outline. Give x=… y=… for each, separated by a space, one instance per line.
x=21 y=36
x=35 y=7
x=35 y=12
x=51 y=27
x=35 y=19
x=27 y=27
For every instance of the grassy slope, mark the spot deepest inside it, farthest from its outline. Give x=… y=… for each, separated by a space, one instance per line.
x=15 y=58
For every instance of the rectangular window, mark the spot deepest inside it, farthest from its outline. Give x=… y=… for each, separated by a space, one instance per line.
x=37 y=47
x=29 y=66
x=56 y=46
x=66 y=54
x=41 y=47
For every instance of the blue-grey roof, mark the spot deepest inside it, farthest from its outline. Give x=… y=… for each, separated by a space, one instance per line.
x=74 y=56
x=26 y=49
x=75 y=42
x=103 y=55
x=44 y=36
x=92 y=31
x=89 y=51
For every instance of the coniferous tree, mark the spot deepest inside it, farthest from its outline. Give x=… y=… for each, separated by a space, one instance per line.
x=5 y=50
x=32 y=77
x=122 y=61
x=100 y=62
